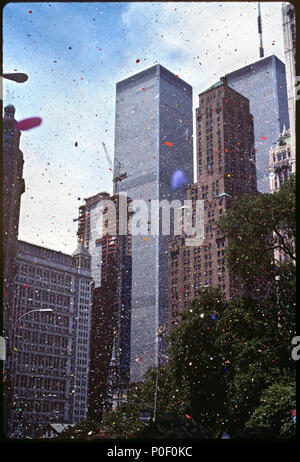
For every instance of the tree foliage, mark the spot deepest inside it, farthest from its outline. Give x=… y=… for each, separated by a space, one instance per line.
x=256 y=227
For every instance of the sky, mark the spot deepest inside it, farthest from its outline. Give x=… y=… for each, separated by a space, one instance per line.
x=74 y=53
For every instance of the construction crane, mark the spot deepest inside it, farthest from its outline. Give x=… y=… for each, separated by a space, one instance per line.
x=118 y=175
x=107 y=155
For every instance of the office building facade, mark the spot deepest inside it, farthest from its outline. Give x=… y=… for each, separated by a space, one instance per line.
x=281 y=165
x=98 y=229
x=281 y=161
x=153 y=139
x=264 y=84
x=49 y=350
x=289 y=41
x=225 y=170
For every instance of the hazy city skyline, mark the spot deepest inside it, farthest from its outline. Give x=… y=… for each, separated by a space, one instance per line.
x=74 y=54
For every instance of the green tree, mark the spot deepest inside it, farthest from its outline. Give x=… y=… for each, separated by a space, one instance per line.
x=197 y=359
x=256 y=352
x=255 y=227
x=274 y=409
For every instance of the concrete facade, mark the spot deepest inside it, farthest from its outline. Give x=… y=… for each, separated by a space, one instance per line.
x=289 y=40
x=225 y=170
x=49 y=351
x=13 y=188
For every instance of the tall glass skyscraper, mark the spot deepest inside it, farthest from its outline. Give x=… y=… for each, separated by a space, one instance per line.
x=264 y=84
x=153 y=139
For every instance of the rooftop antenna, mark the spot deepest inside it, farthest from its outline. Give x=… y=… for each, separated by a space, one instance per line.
x=261 y=48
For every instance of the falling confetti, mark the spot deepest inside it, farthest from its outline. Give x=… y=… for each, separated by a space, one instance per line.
x=178 y=179
x=263 y=138
x=27 y=124
x=137 y=61
x=168 y=143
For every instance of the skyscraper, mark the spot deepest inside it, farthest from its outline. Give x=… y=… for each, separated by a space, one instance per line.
x=98 y=229
x=13 y=188
x=153 y=139
x=264 y=84
x=49 y=351
x=225 y=170
x=289 y=40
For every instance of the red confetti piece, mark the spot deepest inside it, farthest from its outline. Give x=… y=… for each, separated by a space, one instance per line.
x=27 y=124
x=263 y=138
x=30 y=12
x=137 y=61
x=143 y=88
x=176 y=75
x=25 y=285
x=188 y=416
x=168 y=143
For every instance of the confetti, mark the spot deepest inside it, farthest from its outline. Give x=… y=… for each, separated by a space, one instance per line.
x=27 y=124
x=178 y=179
x=137 y=61
x=168 y=143
x=263 y=138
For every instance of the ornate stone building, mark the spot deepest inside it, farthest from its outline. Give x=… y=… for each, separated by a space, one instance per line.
x=13 y=188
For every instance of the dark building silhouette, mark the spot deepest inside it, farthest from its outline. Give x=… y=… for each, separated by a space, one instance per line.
x=13 y=188
x=225 y=170
x=111 y=313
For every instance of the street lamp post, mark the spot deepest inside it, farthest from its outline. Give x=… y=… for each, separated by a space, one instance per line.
x=19 y=77
x=160 y=333
x=7 y=349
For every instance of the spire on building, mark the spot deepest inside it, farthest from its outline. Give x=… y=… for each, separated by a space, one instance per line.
x=284 y=131
x=259 y=24
x=113 y=361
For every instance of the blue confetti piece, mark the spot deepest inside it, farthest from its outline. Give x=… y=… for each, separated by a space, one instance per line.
x=178 y=179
